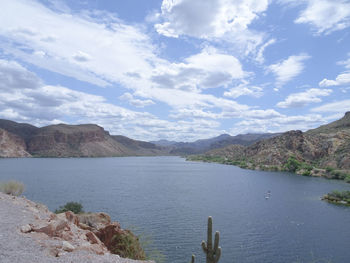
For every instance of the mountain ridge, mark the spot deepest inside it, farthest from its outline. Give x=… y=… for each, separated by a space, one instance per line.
x=203 y=145
x=91 y=140
x=317 y=152
x=63 y=140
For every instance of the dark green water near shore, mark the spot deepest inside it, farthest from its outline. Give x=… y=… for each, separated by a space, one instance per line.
x=170 y=199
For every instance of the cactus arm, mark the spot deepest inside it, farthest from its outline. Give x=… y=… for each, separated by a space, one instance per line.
x=204 y=246
x=192 y=260
x=217 y=255
x=216 y=242
x=210 y=231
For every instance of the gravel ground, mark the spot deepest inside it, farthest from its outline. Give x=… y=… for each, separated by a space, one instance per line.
x=18 y=247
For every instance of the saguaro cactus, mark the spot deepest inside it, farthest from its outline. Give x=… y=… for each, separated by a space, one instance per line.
x=213 y=253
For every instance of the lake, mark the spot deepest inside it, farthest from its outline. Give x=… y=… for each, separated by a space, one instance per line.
x=170 y=199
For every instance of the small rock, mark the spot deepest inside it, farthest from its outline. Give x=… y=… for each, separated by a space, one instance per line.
x=72 y=217
x=26 y=228
x=66 y=246
x=54 y=252
x=92 y=238
x=61 y=253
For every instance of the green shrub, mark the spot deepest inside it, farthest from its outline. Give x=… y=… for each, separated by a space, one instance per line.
x=307 y=167
x=292 y=164
x=274 y=168
x=12 y=188
x=75 y=207
x=147 y=244
x=339 y=175
x=344 y=195
x=306 y=173
x=127 y=245
x=347 y=178
x=329 y=169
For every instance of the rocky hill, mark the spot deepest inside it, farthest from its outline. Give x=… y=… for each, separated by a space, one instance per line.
x=320 y=151
x=23 y=130
x=140 y=147
x=87 y=140
x=74 y=141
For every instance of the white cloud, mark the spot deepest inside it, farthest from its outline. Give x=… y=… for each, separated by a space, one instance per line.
x=135 y=102
x=345 y=63
x=345 y=90
x=25 y=98
x=262 y=114
x=260 y=55
x=341 y=79
x=208 y=18
x=302 y=99
x=81 y=56
x=98 y=51
x=338 y=107
x=194 y=114
x=288 y=69
x=104 y=50
x=325 y=16
x=208 y=69
x=281 y=123
x=24 y=94
x=17 y=77
x=244 y=89
x=212 y=19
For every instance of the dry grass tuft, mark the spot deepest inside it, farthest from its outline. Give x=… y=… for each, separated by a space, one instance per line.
x=12 y=188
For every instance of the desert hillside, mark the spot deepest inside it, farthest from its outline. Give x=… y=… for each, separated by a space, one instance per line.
x=327 y=148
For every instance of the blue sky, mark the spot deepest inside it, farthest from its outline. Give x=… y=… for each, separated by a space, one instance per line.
x=175 y=69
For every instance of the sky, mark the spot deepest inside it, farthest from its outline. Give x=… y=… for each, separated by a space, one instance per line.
x=175 y=69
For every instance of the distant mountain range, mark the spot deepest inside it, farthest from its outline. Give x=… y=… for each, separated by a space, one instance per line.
x=203 y=145
x=326 y=146
x=90 y=140
x=319 y=152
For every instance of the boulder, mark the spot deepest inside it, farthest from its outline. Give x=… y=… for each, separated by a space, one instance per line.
x=26 y=228
x=66 y=246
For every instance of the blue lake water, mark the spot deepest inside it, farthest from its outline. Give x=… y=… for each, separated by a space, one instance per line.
x=170 y=199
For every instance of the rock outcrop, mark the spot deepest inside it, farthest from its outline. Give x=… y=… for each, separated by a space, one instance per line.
x=74 y=141
x=94 y=232
x=37 y=235
x=12 y=145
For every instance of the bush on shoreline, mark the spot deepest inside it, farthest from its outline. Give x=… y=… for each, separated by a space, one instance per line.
x=14 y=188
x=339 y=197
x=127 y=245
x=75 y=207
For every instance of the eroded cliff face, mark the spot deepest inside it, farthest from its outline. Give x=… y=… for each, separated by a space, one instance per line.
x=74 y=141
x=12 y=145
